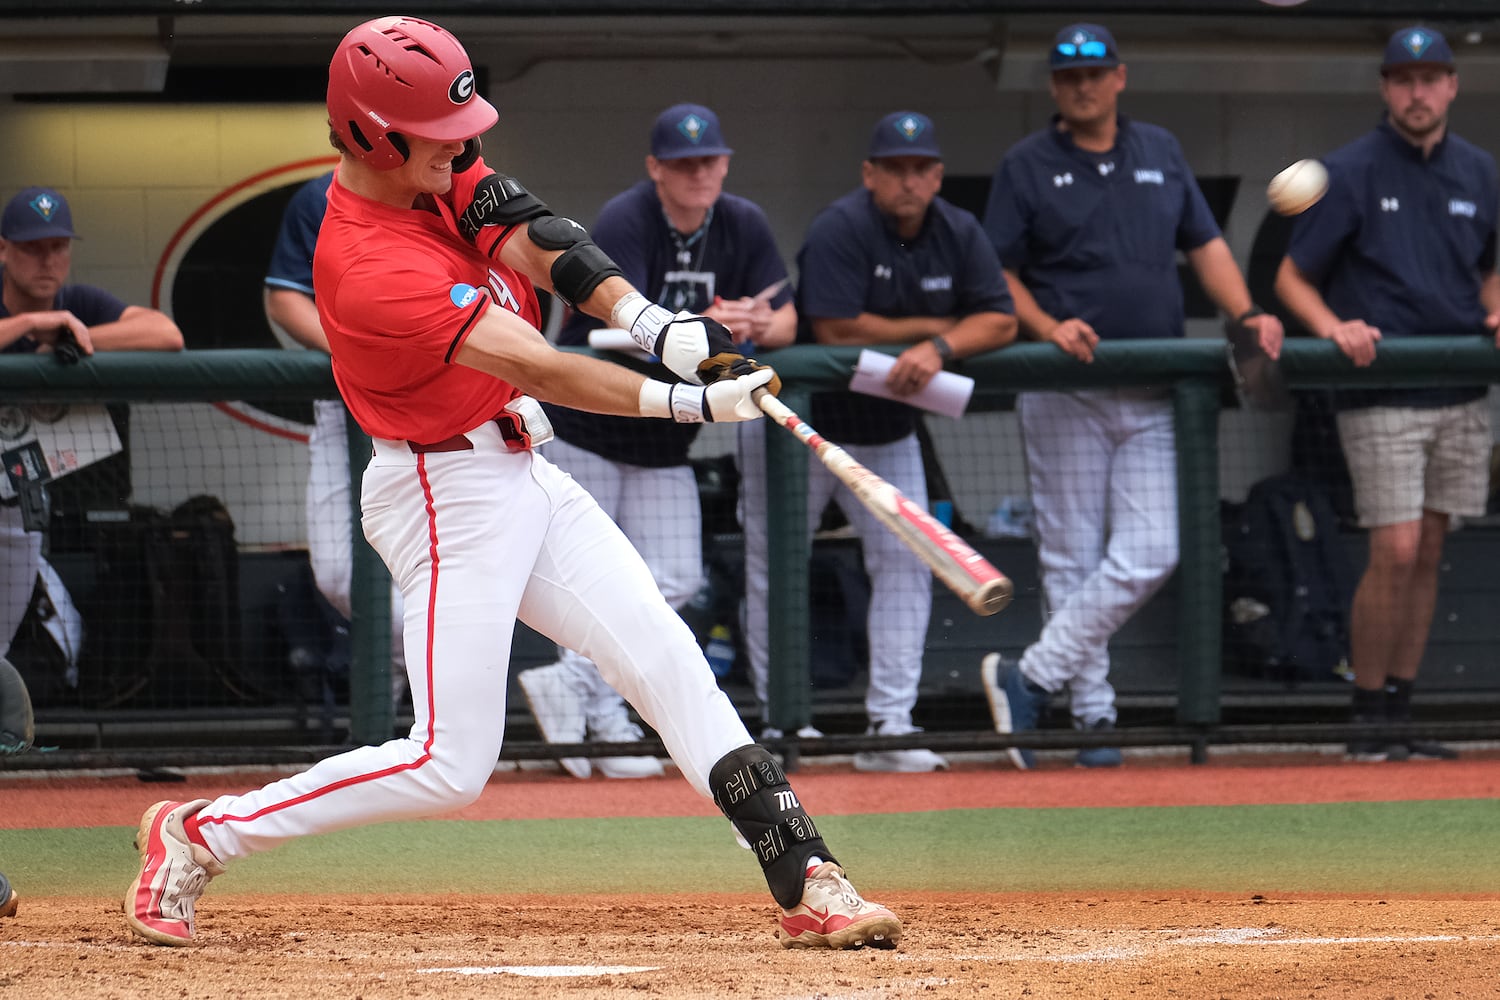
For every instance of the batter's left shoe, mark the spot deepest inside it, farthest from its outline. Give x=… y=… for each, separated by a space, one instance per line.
x=832 y=914
x=174 y=873
x=913 y=761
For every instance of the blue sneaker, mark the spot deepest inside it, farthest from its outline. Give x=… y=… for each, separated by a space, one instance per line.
x=1099 y=756
x=1015 y=703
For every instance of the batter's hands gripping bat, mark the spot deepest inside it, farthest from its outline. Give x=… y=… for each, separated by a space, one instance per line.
x=968 y=574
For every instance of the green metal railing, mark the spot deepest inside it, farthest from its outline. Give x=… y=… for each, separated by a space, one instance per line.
x=1194 y=371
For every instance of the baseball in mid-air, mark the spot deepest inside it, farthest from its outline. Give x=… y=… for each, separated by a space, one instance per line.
x=1298 y=187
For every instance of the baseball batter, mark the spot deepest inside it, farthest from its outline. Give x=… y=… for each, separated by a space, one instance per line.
x=424 y=272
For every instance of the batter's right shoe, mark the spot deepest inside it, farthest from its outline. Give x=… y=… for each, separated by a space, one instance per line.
x=558 y=710
x=1015 y=703
x=174 y=873
x=832 y=914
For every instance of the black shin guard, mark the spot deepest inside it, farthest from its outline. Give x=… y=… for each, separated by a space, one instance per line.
x=751 y=789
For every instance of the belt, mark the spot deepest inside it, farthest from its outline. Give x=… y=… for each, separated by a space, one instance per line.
x=512 y=430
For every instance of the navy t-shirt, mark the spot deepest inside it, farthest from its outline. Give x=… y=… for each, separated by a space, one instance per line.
x=1096 y=235
x=853 y=262
x=732 y=256
x=91 y=305
x=291 y=257
x=1403 y=243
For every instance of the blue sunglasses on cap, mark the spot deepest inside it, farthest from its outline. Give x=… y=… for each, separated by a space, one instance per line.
x=1089 y=50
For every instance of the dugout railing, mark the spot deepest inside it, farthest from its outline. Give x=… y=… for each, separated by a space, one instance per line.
x=1193 y=370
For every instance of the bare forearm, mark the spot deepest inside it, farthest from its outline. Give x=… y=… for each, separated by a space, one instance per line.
x=1221 y=278
x=505 y=346
x=137 y=329
x=1033 y=319
x=980 y=332
x=868 y=328
x=1304 y=300
x=297 y=314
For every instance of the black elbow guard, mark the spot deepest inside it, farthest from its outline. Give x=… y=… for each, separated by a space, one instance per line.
x=751 y=789
x=582 y=265
x=501 y=201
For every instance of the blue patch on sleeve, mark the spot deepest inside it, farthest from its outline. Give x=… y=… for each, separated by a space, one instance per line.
x=463 y=295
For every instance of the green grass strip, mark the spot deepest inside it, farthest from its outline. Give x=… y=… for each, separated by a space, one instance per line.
x=1365 y=848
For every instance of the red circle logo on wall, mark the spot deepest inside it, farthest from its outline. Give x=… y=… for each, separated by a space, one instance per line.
x=210 y=279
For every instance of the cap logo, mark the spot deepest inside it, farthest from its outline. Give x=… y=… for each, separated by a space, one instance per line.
x=692 y=128
x=910 y=127
x=1416 y=43
x=44 y=205
x=462 y=87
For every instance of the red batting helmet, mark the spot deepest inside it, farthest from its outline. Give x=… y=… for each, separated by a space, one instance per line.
x=402 y=76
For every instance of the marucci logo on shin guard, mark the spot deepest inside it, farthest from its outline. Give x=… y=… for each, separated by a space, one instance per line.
x=787 y=800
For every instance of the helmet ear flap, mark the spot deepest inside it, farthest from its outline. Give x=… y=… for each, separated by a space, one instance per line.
x=470 y=156
x=398 y=143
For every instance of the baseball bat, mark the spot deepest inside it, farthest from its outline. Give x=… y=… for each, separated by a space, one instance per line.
x=968 y=574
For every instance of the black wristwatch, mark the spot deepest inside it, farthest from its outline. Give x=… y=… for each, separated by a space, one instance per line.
x=944 y=349
x=1249 y=314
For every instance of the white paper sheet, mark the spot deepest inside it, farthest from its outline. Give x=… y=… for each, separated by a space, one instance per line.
x=948 y=393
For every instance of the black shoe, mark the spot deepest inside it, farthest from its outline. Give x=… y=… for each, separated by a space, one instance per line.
x=1431 y=749
x=1374 y=749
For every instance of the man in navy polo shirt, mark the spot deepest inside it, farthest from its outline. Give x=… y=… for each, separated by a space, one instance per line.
x=1088 y=216
x=683 y=241
x=890 y=263
x=41 y=313
x=1403 y=244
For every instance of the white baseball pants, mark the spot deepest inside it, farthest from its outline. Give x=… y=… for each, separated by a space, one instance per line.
x=1103 y=471
x=476 y=539
x=659 y=511
x=900 y=583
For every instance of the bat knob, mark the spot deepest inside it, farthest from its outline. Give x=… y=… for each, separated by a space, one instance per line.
x=993 y=597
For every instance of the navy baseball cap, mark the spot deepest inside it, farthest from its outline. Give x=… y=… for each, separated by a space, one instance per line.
x=685 y=130
x=1083 y=45
x=37 y=213
x=904 y=133
x=1417 y=46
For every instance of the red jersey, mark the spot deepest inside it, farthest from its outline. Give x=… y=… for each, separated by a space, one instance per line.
x=398 y=290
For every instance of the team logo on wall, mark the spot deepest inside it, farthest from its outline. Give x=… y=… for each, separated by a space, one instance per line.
x=210 y=279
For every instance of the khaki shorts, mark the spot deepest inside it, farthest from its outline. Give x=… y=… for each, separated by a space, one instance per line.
x=1405 y=459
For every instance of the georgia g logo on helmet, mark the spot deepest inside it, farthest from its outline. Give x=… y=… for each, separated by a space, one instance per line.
x=462 y=87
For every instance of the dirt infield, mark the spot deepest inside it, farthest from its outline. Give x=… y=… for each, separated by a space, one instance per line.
x=723 y=947
x=690 y=945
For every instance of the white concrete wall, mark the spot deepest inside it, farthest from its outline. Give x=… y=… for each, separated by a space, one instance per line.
x=575 y=130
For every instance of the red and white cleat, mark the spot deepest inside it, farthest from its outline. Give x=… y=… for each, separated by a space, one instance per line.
x=174 y=873
x=832 y=914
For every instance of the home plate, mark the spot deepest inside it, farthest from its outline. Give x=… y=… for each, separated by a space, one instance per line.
x=544 y=971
